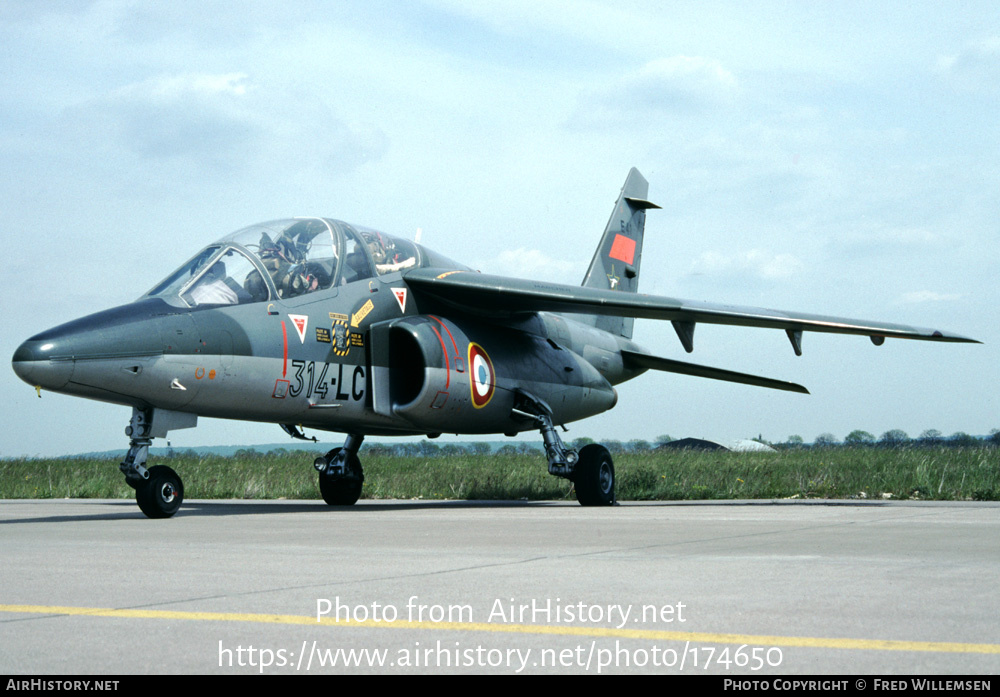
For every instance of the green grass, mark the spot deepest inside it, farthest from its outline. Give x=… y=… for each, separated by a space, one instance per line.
x=907 y=473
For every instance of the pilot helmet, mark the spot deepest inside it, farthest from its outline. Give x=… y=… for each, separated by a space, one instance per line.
x=376 y=246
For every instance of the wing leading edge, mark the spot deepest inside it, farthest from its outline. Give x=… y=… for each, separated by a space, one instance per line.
x=478 y=293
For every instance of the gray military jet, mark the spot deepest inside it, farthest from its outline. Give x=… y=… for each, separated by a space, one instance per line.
x=317 y=323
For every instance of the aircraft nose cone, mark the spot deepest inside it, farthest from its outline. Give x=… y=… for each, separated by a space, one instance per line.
x=49 y=359
x=33 y=363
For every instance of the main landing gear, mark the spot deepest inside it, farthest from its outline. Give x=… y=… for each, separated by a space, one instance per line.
x=594 y=478
x=591 y=470
x=340 y=473
x=159 y=491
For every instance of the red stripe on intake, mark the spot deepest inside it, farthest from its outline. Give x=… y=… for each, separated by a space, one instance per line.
x=447 y=363
x=445 y=326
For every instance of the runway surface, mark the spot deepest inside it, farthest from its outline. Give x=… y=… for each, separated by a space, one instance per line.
x=723 y=587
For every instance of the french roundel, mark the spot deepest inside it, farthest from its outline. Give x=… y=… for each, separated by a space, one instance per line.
x=483 y=378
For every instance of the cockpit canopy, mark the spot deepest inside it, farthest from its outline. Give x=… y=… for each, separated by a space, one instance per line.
x=287 y=259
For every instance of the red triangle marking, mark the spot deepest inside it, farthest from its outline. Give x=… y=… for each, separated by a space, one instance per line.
x=400 y=294
x=300 y=322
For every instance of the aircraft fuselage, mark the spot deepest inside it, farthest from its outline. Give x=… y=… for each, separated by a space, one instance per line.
x=362 y=357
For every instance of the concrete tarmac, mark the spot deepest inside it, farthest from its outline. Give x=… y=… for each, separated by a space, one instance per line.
x=748 y=588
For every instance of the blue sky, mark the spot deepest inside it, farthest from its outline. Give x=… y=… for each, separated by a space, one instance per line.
x=838 y=158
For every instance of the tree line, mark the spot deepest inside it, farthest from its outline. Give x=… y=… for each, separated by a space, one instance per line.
x=897 y=438
x=893 y=438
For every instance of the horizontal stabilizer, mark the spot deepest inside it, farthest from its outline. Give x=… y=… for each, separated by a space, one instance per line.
x=642 y=360
x=641 y=204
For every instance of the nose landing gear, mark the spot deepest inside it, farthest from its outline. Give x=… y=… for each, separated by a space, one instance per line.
x=159 y=490
x=340 y=474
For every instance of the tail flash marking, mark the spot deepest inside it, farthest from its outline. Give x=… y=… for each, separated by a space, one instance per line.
x=623 y=249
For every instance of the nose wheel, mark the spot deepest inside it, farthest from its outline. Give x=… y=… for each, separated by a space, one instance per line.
x=340 y=474
x=162 y=494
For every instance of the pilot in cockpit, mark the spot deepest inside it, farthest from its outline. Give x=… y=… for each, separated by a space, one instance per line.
x=387 y=256
x=212 y=288
x=285 y=262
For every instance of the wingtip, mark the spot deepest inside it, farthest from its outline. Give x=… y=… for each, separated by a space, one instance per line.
x=956 y=338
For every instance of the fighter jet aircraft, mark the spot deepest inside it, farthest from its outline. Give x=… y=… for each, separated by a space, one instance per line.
x=317 y=323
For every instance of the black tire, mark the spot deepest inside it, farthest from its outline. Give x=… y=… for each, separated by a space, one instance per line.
x=346 y=490
x=594 y=476
x=162 y=494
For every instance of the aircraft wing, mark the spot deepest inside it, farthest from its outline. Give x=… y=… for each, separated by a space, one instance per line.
x=478 y=293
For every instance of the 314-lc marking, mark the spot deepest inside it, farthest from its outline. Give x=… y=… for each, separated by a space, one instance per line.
x=318 y=384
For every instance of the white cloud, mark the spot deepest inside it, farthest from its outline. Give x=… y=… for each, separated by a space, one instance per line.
x=756 y=263
x=908 y=236
x=927 y=296
x=223 y=121
x=589 y=22
x=888 y=241
x=676 y=82
x=671 y=85
x=692 y=73
x=974 y=69
x=233 y=84
x=532 y=263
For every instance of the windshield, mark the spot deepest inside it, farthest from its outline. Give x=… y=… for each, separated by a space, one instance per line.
x=172 y=284
x=227 y=281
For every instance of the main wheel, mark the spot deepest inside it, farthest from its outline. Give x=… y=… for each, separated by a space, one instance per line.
x=594 y=476
x=346 y=490
x=162 y=494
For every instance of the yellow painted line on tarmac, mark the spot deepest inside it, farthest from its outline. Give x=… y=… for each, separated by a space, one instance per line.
x=556 y=630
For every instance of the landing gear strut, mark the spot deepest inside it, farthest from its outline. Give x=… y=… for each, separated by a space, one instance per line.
x=159 y=491
x=591 y=470
x=340 y=474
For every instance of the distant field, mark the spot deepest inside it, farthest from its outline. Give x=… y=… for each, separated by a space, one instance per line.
x=915 y=473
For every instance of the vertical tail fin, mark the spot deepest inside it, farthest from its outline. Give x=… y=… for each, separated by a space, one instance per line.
x=616 y=262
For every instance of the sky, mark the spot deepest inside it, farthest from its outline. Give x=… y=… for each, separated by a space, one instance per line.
x=828 y=157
